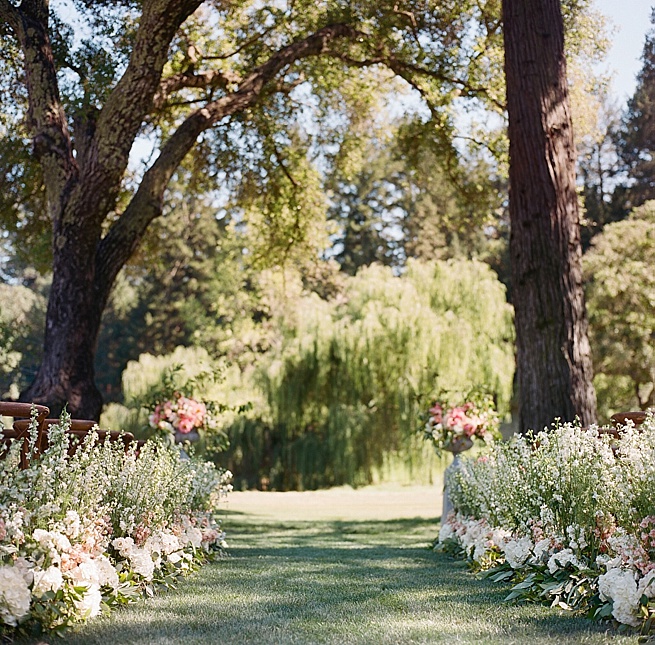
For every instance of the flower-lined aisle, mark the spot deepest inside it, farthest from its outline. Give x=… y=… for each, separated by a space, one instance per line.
x=84 y=530
x=567 y=515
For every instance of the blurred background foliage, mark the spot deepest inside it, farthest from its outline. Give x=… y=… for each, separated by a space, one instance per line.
x=336 y=383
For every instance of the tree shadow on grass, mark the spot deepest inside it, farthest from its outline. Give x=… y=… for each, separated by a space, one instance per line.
x=336 y=582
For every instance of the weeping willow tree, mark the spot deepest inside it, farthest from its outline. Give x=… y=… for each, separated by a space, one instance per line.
x=345 y=384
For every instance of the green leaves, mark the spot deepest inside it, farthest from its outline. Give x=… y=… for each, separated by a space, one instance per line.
x=620 y=294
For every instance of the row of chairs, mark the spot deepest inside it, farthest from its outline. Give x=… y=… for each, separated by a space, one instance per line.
x=19 y=431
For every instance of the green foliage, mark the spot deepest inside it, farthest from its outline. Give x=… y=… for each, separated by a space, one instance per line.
x=347 y=378
x=621 y=304
x=22 y=315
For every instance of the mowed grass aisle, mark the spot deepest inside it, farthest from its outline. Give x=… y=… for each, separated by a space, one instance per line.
x=338 y=566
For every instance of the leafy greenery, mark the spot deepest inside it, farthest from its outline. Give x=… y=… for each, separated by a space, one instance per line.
x=621 y=304
x=345 y=381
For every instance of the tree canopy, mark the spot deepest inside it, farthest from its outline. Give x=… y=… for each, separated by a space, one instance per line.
x=255 y=103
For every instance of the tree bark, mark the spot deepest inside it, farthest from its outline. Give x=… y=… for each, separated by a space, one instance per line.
x=553 y=354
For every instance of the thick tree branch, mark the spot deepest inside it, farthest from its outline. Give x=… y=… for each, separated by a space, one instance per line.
x=51 y=138
x=126 y=233
x=197 y=80
x=9 y=14
x=107 y=155
x=408 y=71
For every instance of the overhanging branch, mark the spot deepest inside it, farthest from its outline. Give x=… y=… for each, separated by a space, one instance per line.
x=126 y=232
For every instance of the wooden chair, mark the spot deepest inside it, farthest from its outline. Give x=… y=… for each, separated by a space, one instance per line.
x=21 y=411
x=621 y=418
x=78 y=431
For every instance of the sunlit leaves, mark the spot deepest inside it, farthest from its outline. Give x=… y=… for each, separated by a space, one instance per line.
x=621 y=304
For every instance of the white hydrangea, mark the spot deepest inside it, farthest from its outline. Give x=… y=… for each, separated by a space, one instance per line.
x=194 y=536
x=89 y=605
x=50 y=579
x=560 y=559
x=107 y=575
x=445 y=532
x=619 y=586
x=24 y=567
x=499 y=536
x=97 y=571
x=645 y=585
x=540 y=548
x=15 y=596
x=517 y=551
x=142 y=563
x=162 y=543
x=176 y=557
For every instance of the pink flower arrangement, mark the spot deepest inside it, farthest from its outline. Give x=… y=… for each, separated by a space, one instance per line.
x=179 y=414
x=454 y=428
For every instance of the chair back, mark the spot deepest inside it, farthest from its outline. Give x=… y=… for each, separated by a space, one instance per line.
x=621 y=418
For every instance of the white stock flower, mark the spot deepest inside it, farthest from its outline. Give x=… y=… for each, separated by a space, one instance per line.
x=619 y=586
x=53 y=542
x=45 y=580
x=517 y=551
x=15 y=596
x=73 y=524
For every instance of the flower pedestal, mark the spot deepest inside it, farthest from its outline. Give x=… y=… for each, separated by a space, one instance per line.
x=184 y=437
x=456 y=446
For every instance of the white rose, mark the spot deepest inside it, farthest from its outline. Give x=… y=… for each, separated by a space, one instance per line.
x=46 y=580
x=15 y=596
x=123 y=545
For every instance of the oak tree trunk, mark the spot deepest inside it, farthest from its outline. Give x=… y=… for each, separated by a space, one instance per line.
x=66 y=375
x=553 y=354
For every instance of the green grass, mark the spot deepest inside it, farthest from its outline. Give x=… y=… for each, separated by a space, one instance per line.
x=333 y=578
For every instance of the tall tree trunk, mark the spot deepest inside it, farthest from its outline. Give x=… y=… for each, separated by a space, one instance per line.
x=553 y=353
x=66 y=375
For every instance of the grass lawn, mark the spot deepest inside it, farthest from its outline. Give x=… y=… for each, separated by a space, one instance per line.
x=337 y=566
